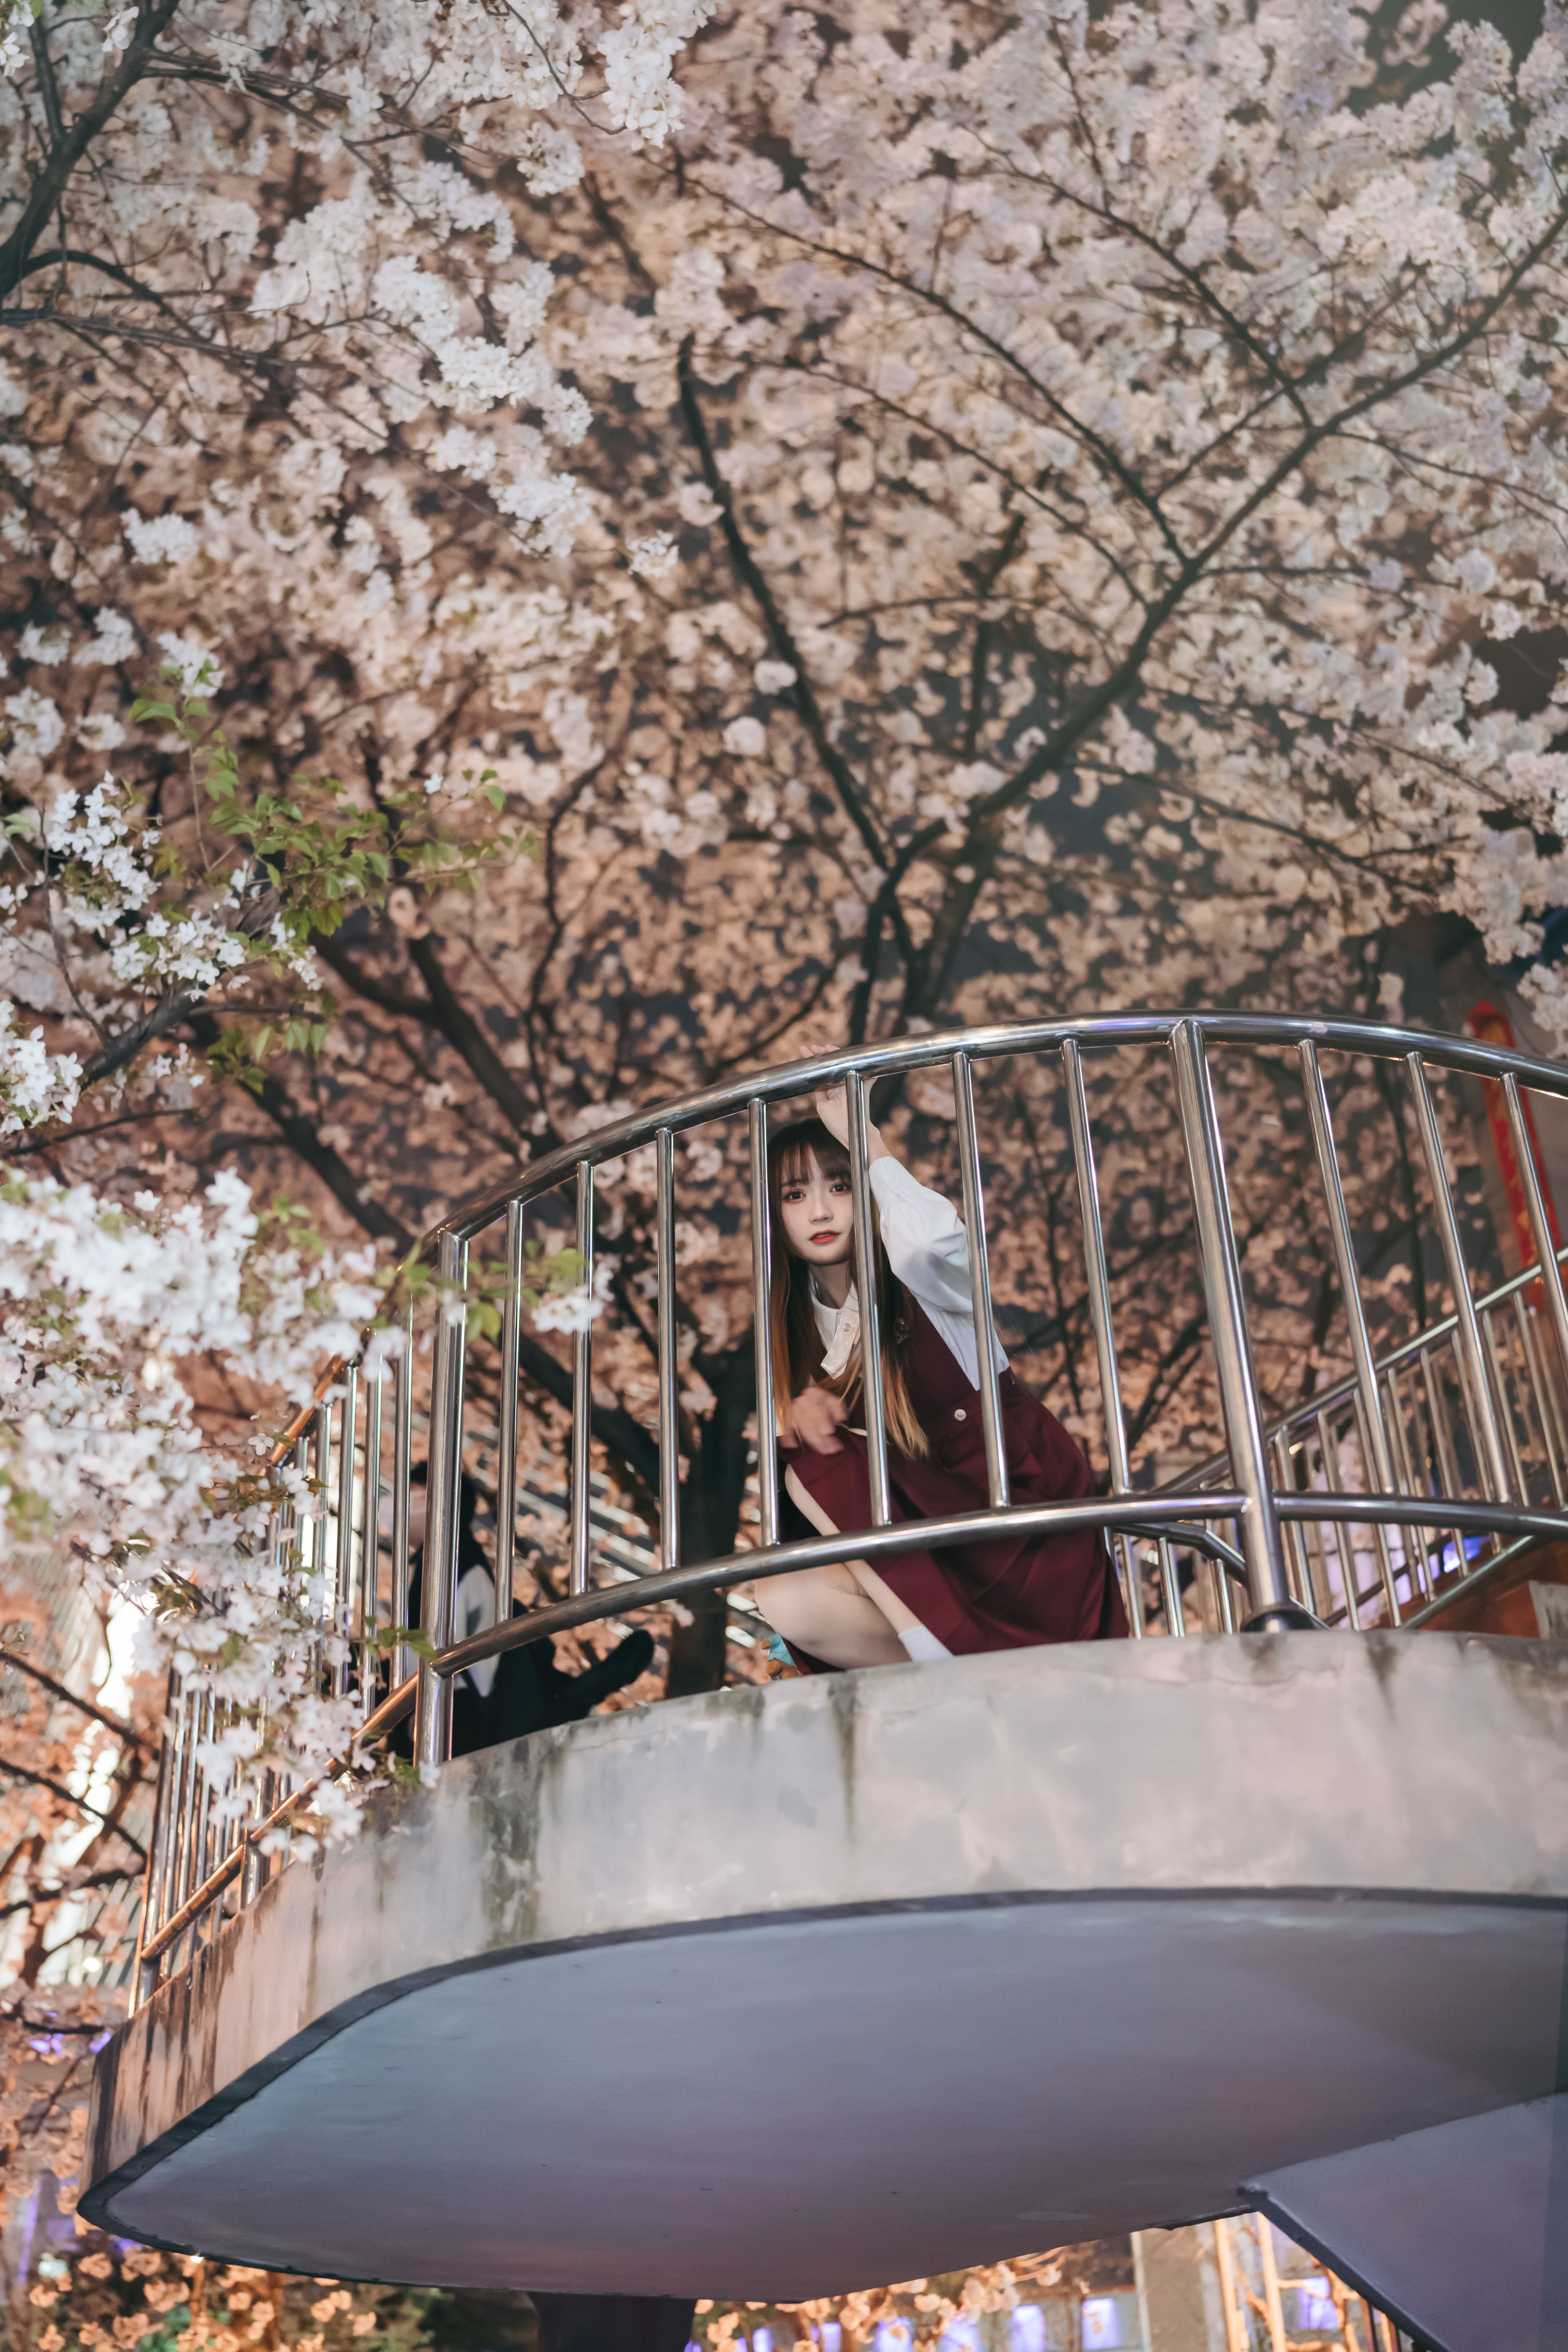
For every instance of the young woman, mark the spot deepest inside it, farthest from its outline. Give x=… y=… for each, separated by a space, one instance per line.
x=1005 y=1593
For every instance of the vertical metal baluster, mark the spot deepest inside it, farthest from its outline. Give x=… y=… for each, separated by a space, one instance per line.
x=1171 y=1586
x=185 y=1829
x=256 y=1871
x=195 y=1837
x=1380 y=1551
x=1412 y=1538
x=402 y=1467
x=980 y=1283
x=1343 y=1542
x=213 y=1839
x=1513 y=1341
x=195 y=1856
x=762 y=1333
x=1261 y=1547
x=144 y=1980
x=320 y=1469
x=344 y=1566
x=1556 y=1398
x=1124 y=1559
x=320 y=1473
x=221 y=1837
x=1355 y=1560
x=1297 y=1544
x=237 y=1826
x=170 y=1876
x=154 y=1907
x=506 y=1468
x=191 y=1859
x=1499 y=1370
x=1448 y=1460
x=1545 y=1411
x=1097 y=1275
x=1374 y=1437
x=228 y=1832
x=1234 y=1539
x=1382 y=1538
x=294 y=1525
x=1323 y=1534
x=1225 y=1616
x=1471 y=1353
x=866 y=1247
x=1540 y=1224
x=368 y=1622
x=433 y=1703
x=583 y=1395
x=669 y=1367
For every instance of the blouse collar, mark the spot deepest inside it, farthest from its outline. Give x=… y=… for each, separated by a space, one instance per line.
x=839 y=1327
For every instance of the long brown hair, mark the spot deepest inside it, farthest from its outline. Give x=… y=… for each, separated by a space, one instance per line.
x=797 y=1341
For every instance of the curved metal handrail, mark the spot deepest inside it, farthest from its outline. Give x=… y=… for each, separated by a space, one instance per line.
x=638 y=1129
x=1393 y=1360
x=1476 y=1400
x=1173 y=1517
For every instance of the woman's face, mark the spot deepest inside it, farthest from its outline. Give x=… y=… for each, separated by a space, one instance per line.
x=819 y=1222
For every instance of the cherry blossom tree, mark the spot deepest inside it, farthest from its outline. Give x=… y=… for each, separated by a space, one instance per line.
x=933 y=518
x=675 y=537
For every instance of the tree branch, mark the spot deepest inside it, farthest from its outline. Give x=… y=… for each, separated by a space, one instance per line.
x=784 y=644
x=616 y=1431
x=72 y=254
x=1099 y=448
x=379 y=993
x=111 y=1722
x=299 y=1133
x=465 y=1036
x=58 y=1789
x=130 y=1042
x=153 y=18
x=48 y=89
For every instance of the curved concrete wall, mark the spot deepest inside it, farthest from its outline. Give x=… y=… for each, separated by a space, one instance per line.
x=783 y=1989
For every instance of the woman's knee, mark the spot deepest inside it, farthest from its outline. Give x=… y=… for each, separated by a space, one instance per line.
x=780 y=1600
x=792 y=1602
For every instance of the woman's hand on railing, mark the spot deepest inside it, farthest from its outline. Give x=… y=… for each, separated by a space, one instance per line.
x=813 y=1417
x=832 y=1107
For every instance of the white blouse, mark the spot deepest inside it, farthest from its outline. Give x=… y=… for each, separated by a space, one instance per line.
x=927 y=1249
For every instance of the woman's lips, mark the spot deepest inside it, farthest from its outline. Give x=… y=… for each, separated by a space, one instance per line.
x=828 y=1236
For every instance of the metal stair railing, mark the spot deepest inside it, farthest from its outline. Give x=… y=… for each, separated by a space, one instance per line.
x=1425 y=1471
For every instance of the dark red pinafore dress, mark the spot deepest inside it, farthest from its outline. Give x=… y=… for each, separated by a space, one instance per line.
x=1006 y=1594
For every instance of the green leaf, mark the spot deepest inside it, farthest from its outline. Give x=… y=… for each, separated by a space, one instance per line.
x=404 y=1637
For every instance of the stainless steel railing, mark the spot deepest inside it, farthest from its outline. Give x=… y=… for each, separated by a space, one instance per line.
x=1425 y=1471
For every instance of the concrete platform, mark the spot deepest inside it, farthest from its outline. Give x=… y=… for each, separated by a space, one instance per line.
x=777 y=1992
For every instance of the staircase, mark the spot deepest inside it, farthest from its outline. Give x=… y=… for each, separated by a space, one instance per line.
x=777 y=1990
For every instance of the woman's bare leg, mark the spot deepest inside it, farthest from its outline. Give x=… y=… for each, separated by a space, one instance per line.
x=844 y=1615
x=822 y=1609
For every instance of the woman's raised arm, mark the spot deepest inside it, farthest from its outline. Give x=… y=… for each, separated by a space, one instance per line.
x=923 y=1234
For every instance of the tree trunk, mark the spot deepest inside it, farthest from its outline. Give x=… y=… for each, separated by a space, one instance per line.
x=711 y=1515
x=613 y=2323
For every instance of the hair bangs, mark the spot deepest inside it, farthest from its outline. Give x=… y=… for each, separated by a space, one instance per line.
x=802 y=1147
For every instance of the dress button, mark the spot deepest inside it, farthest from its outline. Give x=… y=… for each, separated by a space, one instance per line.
x=960 y=1414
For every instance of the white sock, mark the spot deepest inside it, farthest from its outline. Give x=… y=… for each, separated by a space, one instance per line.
x=921 y=1643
